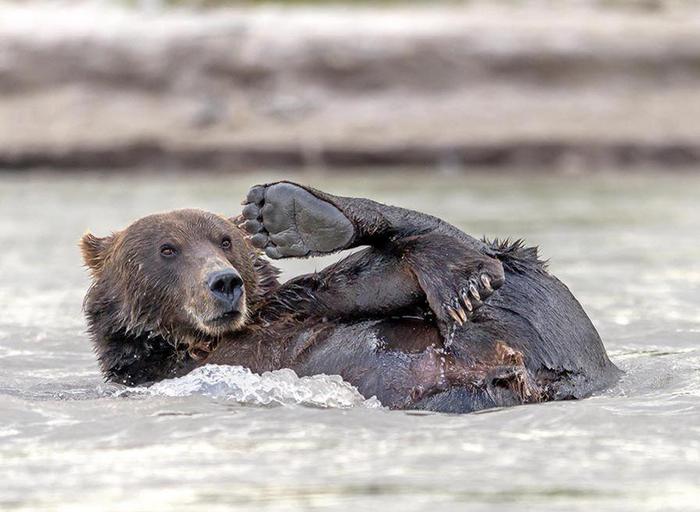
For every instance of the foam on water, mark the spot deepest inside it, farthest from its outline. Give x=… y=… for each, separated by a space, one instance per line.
x=280 y=387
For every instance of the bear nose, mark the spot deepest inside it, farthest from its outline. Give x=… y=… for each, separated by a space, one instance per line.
x=226 y=285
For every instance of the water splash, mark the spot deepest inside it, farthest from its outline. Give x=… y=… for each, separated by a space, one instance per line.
x=279 y=387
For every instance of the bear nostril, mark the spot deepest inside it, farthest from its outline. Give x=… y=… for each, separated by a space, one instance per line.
x=225 y=283
x=219 y=286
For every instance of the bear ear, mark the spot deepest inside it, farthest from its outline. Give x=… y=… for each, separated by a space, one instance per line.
x=95 y=250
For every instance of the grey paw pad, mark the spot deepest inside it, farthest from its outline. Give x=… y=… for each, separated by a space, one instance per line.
x=288 y=221
x=256 y=195
x=251 y=211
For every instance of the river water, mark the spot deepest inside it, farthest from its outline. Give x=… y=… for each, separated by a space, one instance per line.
x=223 y=438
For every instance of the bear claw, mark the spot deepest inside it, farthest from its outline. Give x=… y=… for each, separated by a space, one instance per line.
x=465 y=300
x=454 y=315
x=470 y=297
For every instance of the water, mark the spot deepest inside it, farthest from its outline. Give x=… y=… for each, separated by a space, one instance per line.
x=626 y=245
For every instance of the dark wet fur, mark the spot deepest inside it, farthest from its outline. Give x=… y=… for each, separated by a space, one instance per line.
x=382 y=318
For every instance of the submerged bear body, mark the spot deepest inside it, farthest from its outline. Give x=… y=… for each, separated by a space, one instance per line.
x=425 y=318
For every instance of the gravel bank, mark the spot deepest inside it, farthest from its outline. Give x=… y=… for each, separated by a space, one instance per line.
x=532 y=85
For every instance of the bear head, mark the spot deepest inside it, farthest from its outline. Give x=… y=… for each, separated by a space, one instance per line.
x=166 y=289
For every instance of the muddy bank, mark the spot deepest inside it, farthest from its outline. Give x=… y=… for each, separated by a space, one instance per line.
x=533 y=85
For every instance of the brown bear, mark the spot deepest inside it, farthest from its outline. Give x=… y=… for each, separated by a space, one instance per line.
x=425 y=317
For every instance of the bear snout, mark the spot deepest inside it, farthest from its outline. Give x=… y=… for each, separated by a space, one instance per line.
x=227 y=288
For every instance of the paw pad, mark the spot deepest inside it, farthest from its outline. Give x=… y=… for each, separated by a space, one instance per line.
x=286 y=220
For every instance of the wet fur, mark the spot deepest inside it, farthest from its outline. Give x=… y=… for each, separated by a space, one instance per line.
x=369 y=318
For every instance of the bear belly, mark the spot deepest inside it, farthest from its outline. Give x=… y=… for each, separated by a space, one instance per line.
x=401 y=361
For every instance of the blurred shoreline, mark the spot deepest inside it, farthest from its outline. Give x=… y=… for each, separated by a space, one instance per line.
x=502 y=85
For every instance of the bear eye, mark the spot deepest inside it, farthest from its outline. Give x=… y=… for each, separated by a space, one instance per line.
x=167 y=251
x=226 y=243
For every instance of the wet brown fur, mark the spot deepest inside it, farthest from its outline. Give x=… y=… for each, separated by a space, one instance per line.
x=368 y=317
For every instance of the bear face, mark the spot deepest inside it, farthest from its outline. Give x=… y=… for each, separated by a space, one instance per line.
x=186 y=277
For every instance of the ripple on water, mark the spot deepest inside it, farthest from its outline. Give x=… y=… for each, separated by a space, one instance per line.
x=70 y=442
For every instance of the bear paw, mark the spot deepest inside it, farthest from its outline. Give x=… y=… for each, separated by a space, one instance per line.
x=470 y=296
x=458 y=294
x=287 y=220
